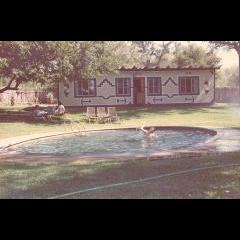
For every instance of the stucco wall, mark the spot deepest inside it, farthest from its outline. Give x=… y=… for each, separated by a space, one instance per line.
x=106 y=90
x=170 y=88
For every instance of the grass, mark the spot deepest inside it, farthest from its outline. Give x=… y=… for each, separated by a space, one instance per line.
x=40 y=180
x=216 y=116
x=15 y=178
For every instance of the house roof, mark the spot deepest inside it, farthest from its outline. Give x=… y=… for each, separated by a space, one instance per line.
x=168 y=68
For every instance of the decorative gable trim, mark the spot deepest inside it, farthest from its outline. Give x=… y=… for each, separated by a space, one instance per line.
x=170 y=80
x=106 y=81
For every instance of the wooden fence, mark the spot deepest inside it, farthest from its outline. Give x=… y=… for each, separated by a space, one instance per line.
x=25 y=97
x=227 y=95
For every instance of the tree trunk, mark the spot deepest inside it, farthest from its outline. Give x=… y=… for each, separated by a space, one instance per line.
x=9 y=87
x=239 y=71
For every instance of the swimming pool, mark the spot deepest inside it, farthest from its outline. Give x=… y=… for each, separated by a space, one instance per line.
x=116 y=142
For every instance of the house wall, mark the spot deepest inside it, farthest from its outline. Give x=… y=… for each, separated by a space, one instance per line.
x=106 y=90
x=170 y=88
x=106 y=93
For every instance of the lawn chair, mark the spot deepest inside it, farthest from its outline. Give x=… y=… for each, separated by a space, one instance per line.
x=112 y=114
x=101 y=114
x=91 y=114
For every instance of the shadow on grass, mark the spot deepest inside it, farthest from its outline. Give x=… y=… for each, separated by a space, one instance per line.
x=25 y=118
x=125 y=113
x=24 y=115
x=138 y=113
x=17 y=118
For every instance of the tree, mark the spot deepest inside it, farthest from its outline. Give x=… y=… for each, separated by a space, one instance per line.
x=50 y=62
x=86 y=59
x=152 y=54
x=228 y=77
x=195 y=56
x=230 y=45
x=24 y=61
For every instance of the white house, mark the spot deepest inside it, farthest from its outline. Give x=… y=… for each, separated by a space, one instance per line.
x=145 y=86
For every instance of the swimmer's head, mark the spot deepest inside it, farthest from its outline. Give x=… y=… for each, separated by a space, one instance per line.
x=152 y=130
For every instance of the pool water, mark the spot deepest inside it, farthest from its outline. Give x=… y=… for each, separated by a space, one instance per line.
x=115 y=142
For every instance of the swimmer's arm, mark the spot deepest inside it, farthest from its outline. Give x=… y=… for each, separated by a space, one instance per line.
x=142 y=128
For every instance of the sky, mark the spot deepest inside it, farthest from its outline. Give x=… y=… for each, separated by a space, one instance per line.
x=229 y=59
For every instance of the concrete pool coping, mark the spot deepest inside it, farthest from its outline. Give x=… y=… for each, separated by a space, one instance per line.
x=207 y=148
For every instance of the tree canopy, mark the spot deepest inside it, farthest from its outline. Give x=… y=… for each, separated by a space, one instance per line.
x=152 y=54
x=230 y=45
x=228 y=77
x=195 y=56
x=235 y=45
x=48 y=62
x=24 y=61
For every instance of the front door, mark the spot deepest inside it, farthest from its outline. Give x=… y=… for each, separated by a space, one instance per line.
x=139 y=90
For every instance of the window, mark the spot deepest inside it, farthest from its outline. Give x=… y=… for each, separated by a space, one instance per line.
x=189 y=85
x=123 y=87
x=154 y=86
x=85 y=88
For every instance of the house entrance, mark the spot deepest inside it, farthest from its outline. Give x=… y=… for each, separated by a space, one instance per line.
x=139 y=90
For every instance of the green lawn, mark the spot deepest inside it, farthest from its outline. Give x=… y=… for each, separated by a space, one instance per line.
x=218 y=115
x=45 y=179
x=20 y=177
x=41 y=179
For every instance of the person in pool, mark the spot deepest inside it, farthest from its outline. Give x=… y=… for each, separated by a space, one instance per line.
x=150 y=132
